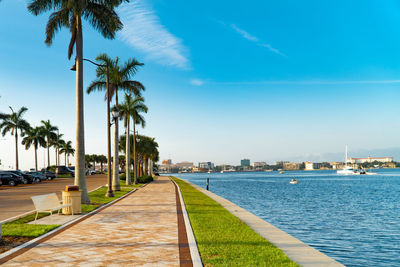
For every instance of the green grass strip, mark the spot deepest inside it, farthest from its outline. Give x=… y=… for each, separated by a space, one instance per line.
x=222 y=238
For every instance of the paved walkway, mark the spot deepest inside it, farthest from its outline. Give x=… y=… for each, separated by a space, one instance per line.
x=139 y=230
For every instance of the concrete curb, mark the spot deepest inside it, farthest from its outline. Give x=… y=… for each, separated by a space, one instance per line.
x=194 y=252
x=34 y=242
x=295 y=249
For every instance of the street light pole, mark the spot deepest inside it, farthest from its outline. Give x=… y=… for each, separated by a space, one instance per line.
x=110 y=192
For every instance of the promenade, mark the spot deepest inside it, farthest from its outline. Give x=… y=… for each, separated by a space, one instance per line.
x=139 y=230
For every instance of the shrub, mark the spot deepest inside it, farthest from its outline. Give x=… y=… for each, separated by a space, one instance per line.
x=141 y=180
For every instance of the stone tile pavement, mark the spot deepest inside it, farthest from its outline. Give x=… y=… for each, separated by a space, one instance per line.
x=139 y=230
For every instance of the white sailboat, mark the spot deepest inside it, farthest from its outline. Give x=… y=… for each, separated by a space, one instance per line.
x=347 y=169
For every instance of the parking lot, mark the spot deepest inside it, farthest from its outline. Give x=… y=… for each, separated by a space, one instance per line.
x=17 y=200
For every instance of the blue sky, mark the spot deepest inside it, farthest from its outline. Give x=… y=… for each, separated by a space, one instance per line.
x=267 y=80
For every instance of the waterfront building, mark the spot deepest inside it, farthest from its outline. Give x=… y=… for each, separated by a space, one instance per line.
x=290 y=166
x=167 y=162
x=369 y=160
x=337 y=165
x=309 y=166
x=206 y=165
x=260 y=164
x=245 y=163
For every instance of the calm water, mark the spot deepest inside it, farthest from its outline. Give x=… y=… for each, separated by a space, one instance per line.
x=353 y=219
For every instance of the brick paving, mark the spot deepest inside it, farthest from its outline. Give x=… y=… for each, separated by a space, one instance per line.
x=139 y=230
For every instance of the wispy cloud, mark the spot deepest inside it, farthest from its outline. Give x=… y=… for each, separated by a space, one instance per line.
x=144 y=31
x=255 y=39
x=196 y=82
x=310 y=82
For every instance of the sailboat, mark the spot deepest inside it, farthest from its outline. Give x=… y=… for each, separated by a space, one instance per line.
x=347 y=169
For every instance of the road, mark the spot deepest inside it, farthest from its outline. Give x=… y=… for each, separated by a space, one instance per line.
x=17 y=200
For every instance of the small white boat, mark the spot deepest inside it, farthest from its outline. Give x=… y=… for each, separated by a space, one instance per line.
x=294 y=181
x=222 y=171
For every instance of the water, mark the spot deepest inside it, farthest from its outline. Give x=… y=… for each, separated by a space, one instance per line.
x=353 y=219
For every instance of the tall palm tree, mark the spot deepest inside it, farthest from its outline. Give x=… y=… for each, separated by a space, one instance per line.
x=57 y=143
x=68 y=13
x=131 y=107
x=120 y=78
x=49 y=131
x=34 y=136
x=137 y=119
x=12 y=123
x=67 y=150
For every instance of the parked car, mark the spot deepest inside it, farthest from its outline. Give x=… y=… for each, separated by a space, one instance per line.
x=10 y=178
x=38 y=175
x=26 y=178
x=90 y=172
x=49 y=174
x=65 y=170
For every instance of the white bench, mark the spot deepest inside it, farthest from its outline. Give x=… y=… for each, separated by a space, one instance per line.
x=48 y=203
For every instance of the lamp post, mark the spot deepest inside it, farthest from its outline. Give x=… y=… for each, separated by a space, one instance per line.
x=110 y=192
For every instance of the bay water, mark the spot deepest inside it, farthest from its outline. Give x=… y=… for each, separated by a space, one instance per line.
x=353 y=219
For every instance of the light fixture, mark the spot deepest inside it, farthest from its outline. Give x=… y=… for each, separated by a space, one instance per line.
x=115 y=112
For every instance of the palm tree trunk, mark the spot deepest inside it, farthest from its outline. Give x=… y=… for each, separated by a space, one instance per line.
x=80 y=178
x=48 y=151
x=55 y=150
x=146 y=166
x=16 y=149
x=65 y=159
x=35 y=158
x=134 y=155
x=128 y=179
x=116 y=184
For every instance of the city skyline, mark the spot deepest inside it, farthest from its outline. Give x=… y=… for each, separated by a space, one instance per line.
x=282 y=81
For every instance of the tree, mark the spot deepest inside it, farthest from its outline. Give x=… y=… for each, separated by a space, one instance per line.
x=35 y=137
x=102 y=159
x=49 y=131
x=57 y=143
x=12 y=123
x=67 y=150
x=131 y=108
x=120 y=78
x=68 y=13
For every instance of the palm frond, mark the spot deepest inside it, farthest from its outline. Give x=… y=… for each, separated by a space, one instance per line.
x=102 y=18
x=134 y=87
x=96 y=85
x=57 y=20
x=130 y=68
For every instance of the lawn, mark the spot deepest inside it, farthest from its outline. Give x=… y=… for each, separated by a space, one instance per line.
x=222 y=238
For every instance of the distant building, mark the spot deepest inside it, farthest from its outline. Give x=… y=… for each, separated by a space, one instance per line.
x=206 y=165
x=291 y=166
x=309 y=166
x=337 y=165
x=281 y=162
x=167 y=162
x=369 y=160
x=245 y=163
x=260 y=164
x=184 y=165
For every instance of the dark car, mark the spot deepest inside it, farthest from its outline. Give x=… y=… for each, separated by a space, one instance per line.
x=64 y=170
x=26 y=178
x=10 y=178
x=49 y=174
x=38 y=176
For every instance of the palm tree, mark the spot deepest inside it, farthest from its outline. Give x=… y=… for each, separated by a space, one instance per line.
x=11 y=123
x=35 y=137
x=120 y=78
x=49 y=131
x=68 y=13
x=102 y=159
x=130 y=108
x=67 y=150
x=57 y=143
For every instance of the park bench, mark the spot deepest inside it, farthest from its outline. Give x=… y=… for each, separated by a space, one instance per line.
x=48 y=203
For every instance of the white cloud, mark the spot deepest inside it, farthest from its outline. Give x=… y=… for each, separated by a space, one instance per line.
x=144 y=32
x=255 y=39
x=244 y=34
x=196 y=82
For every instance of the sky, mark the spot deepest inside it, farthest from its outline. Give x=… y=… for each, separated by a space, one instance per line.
x=264 y=80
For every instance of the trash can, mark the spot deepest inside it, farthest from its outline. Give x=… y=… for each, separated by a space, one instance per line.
x=72 y=195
